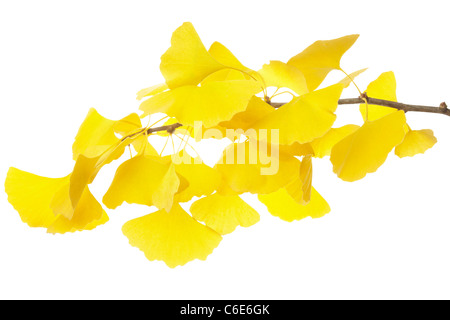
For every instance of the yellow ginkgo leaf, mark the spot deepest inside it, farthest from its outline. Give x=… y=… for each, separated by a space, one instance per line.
x=88 y=214
x=295 y=190
x=31 y=196
x=96 y=138
x=61 y=204
x=224 y=56
x=112 y=153
x=94 y=224
x=129 y=124
x=300 y=187
x=84 y=173
x=174 y=237
x=322 y=146
x=297 y=149
x=142 y=145
x=281 y=75
x=162 y=197
x=282 y=205
x=202 y=179
x=256 y=109
x=247 y=168
x=224 y=75
x=143 y=180
x=225 y=190
x=366 y=149
x=211 y=103
x=224 y=213
x=306 y=177
x=187 y=62
x=384 y=87
x=74 y=205
x=235 y=69
x=320 y=58
x=151 y=91
x=415 y=142
x=81 y=176
x=304 y=118
x=95 y=131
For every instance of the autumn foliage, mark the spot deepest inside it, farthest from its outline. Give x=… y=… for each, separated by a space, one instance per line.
x=211 y=94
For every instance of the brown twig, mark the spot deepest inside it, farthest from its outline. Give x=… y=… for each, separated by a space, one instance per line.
x=169 y=128
x=441 y=109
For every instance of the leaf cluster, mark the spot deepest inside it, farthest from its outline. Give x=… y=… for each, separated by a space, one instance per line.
x=271 y=150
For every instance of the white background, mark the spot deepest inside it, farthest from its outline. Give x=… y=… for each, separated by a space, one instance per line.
x=387 y=235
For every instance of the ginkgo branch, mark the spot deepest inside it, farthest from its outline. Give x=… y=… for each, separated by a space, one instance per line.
x=169 y=128
x=441 y=109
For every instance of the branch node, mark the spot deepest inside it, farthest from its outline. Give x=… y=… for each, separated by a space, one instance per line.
x=171 y=130
x=364 y=96
x=443 y=106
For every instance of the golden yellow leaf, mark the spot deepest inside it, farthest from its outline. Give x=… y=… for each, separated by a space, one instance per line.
x=282 y=205
x=306 y=177
x=224 y=56
x=300 y=187
x=142 y=145
x=111 y=154
x=211 y=103
x=143 y=180
x=415 y=142
x=246 y=169
x=31 y=196
x=256 y=109
x=224 y=213
x=281 y=75
x=174 y=237
x=202 y=179
x=187 y=62
x=366 y=149
x=151 y=91
x=384 y=87
x=322 y=146
x=61 y=204
x=84 y=173
x=162 y=197
x=94 y=224
x=95 y=131
x=320 y=58
x=34 y=198
x=297 y=149
x=224 y=75
x=235 y=69
x=224 y=189
x=81 y=176
x=304 y=118
x=129 y=124
x=295 y=190
x=88 y=214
